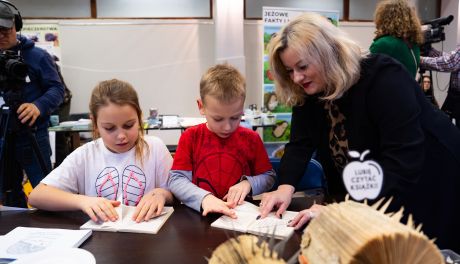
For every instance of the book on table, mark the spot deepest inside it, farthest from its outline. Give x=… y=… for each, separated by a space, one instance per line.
x=247 y=222
x=126 y=224
x=23 y=241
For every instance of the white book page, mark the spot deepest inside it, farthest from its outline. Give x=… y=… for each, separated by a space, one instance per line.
x=272 y=225
x=152 y=226
x=105 y=226
x=246 y=221
x=126 y=224
x=239 y=224
x=26 y=240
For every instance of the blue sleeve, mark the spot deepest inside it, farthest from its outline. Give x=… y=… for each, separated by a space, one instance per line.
x=51 y=84
x=261 y=183
x=180 y=184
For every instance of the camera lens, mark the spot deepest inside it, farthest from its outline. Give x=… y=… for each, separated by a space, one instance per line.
x=16 y=68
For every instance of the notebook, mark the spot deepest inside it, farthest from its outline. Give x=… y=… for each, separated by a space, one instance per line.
x=126 y=224
x=23 y=241
x=247 y=222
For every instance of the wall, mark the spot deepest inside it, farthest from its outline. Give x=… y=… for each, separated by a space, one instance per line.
x=164 y=59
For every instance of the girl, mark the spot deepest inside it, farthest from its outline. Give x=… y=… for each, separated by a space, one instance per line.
x=119 y=167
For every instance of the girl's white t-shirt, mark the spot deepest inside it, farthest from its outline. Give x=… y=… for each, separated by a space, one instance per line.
x=93 y=170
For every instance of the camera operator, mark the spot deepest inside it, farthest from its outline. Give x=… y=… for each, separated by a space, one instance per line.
x=447 y=62
x=41 y=94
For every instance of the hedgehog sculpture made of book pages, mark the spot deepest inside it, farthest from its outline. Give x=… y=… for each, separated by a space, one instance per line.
x=352 y=232
x=245 y=249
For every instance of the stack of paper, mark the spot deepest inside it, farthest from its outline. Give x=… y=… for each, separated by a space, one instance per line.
x=22 y=241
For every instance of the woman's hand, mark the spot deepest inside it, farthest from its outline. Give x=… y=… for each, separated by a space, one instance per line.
x=212 y=204
x=305 y=216
x=279 y=199
x=151 y=205
x=237 y=193
x=99 y=208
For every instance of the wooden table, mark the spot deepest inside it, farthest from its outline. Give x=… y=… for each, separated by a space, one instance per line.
x=186 y=237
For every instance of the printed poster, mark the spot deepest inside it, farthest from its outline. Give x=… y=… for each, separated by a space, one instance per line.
x=45 y=36
x=274 y=18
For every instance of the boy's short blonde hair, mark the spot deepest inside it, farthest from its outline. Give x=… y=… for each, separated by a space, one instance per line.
x=223 y=82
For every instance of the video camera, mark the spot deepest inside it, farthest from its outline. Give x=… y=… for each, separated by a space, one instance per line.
x=433 y=32
x=13 y=73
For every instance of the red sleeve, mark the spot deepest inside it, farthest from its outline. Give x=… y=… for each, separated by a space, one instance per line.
x=183 y=155
x=261 y=163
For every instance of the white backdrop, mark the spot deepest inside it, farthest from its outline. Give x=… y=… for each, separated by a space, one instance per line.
x=164 y=59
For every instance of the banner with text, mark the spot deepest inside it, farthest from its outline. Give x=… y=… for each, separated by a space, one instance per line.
x=274 y=18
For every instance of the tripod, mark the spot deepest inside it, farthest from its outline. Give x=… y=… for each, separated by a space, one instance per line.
x=10 y=169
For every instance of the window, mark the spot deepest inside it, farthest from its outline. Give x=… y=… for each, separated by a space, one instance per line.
x=253 y=8
x=350 y=10
x=115 y=8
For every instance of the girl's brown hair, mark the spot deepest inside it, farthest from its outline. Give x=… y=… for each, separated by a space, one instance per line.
x=120 y=93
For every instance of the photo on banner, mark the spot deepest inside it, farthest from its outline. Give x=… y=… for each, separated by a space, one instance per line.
x=45 y=36
x=274 y=18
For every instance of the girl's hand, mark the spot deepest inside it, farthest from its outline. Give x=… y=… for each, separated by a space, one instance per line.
x=212 y=204
x=99 y=208
x=305 y=216
x=279 y=199
x=237 y=193
x=151 y=205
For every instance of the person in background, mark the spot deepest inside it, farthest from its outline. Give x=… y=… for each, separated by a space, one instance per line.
x=447 y=62
x=63 y=145
x=219 y=163
x=398 y=33
x=427 y=87
x=344 y=99
x=122 y=166
x=41 y=94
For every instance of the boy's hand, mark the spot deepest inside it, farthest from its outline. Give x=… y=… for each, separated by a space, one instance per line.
x=212 y=204
x=237 y=193
x=99 y=208
x=151 y=205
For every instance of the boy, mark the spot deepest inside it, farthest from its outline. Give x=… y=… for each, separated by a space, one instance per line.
x=217 y=164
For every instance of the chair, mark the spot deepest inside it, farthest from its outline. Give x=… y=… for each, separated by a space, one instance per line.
x=312 y=179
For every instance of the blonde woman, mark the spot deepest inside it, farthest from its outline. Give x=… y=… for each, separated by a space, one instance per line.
x=344 y=100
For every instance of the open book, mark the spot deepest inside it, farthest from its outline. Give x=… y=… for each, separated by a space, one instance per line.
x=126 y=224
x=247 y=222
x=22 y=241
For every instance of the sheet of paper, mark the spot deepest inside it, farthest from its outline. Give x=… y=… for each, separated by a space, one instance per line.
x=26 y=240
x=9 y=208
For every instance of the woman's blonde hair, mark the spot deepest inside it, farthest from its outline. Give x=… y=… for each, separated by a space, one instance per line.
x=399 y=19
x=120 y=93
x=317 y=41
